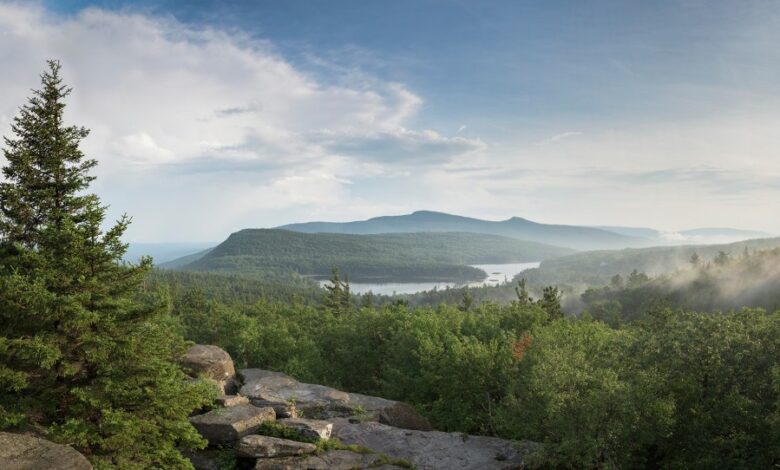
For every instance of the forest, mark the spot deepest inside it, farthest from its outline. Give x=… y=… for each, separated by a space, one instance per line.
x=89 y=344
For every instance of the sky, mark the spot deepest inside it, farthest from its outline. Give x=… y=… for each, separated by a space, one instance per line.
x=208 y=117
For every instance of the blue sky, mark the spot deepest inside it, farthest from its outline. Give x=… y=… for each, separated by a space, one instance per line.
x=208 y=117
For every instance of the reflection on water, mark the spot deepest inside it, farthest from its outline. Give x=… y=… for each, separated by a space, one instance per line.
x=496 y=274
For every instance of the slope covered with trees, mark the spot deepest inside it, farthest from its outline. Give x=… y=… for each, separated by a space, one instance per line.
x=728 y=283
x=386 y=257
x=596 y=268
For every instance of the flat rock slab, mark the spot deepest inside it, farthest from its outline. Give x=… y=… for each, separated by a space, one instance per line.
x=432 y=450
x=266 y=388
x=259 y=447
x=330 y=460
x=312 y=428
x=22 y=452
x=224 y=425
x=232 y=400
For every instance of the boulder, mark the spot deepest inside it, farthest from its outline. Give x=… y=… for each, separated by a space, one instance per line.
x=330 y=460
x=433 y=450
x=259 y=447
x=22 y=452
x=232 y=400
x=310 y=428
x=224 y=425
x=401 y=415
x=266 y=388
x=213 y=363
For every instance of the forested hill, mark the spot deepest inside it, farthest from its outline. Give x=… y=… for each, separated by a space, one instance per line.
x=386 y=257
x=597 y=267
x=733 y=282
x=576 y=237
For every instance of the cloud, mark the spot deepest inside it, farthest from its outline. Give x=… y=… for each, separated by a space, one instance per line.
x=399 y=145
x=558 y=137
x=166 y=100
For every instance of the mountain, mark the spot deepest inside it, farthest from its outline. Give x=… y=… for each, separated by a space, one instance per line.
x=751 y=280
x=571 y=236
x=597 y=267
x=387 y=257
x=702 y=236
x=164 y=252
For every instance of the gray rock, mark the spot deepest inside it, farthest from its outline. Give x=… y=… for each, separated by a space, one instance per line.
x=432 y=450
x=224 y=425
x=404 y=416
x=330 y=460
x=255 y=446
x=22 y=452
x=265 y=388
x=311 y=428
x=232 y=400
x=208 y=459
x=210 y=361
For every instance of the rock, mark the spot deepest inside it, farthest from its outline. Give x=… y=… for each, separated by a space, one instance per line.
x=255 y=446
x=208 y=459
x=224 y=425
x=208 y=360
x=266 y=388
x=311 y=428
x=404 y=416
x=330 y=460
x=431 y=450
x=232 y=400
x=22 y=452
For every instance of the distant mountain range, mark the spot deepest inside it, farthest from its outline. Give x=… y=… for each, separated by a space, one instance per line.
x=577 y=237
x=556 y=237
x=571 y=236
x=706 y=236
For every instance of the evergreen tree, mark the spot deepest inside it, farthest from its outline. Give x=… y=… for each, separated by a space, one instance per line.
x=83 y=357
x=523 y=298
x=551 y=302
x=337 y=298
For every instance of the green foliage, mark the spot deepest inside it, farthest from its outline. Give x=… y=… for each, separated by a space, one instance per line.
x=84 y=355
x=337 y=299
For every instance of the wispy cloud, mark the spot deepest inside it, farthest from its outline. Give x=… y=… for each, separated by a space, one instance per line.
x=558 y=138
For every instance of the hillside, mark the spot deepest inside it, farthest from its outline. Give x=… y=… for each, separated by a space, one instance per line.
x=743 y=281
x=399 y=256
x=597 y=267
x=575 y=237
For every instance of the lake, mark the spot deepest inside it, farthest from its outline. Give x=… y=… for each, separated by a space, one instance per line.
x=497 y=274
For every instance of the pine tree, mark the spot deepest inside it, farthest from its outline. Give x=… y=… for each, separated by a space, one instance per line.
x=84 y=358
x=338 y=298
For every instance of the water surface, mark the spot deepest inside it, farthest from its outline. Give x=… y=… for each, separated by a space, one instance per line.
x=497 y=274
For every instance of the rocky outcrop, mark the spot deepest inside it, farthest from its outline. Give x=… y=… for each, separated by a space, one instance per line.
x=213 y=363
x=232 y=400
x=372 y=432
x=22 y=452
x=258 y=447
x=430 y=450
x=266 y=388
x=225 y=425
x=309 y=428
x=330 y=460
